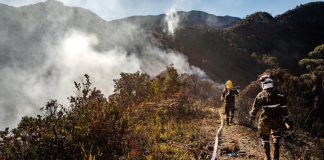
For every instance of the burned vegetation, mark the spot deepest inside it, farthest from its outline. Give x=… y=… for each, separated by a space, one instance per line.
x=145 y=118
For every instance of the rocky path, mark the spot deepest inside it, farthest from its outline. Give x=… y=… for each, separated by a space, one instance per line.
x=239 y=142
x=235 y=141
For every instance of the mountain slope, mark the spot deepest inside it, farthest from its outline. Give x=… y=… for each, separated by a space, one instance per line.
x=186 y=19
x=287 y=40
x=44 y=45
x=259 y=41
x=207 y=49
x=240 y=51
x=41 y=25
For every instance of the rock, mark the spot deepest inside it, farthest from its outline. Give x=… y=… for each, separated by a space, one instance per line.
x=233 y=147
x=251 y=156
x=233 y=154
x=241 y=153
x=203 y=155
x=223 y=151
x=210 y=148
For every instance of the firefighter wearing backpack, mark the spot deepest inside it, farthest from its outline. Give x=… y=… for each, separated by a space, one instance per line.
x=274 y=115
x=228 y=98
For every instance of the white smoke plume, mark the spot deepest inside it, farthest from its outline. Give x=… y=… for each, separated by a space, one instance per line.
x=172 y=20
x=28 y=89
x=172 y=17
x=54 y=45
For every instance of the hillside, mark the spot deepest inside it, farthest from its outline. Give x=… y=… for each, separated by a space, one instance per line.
x=287 y=37
x=46 y=23
x=186 y=19
x=145 y=118
x=170 y=116
x=37 y=41
x=256 y=42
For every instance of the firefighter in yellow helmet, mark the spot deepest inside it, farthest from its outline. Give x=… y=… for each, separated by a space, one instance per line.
x=228 y=98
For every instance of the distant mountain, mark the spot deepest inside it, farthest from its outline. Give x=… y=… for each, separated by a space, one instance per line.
x=28 y=31
x=288 y=37
x=224 y=47
x=259 y=41
x=186 y=19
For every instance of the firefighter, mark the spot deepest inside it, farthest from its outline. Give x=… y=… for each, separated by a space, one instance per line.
x=274 y=113
x=228 y=98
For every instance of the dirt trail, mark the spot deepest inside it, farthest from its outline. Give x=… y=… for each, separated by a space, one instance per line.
x=242 y=140
x=245 y=140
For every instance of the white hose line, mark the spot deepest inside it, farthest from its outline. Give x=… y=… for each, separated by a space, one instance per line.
x=216 y=138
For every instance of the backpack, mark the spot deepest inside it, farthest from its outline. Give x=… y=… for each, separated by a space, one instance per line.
x=230 y=96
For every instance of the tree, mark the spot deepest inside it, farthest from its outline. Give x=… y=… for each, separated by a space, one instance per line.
x=171 y=81
x=315 y=67
x=132 y=88
x=315 y=63
x=90 y=128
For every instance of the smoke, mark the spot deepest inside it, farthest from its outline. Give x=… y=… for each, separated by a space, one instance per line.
x=52 y=45
x=172 y=20
x=172 y=17
x=26 y=89
x=76 y=56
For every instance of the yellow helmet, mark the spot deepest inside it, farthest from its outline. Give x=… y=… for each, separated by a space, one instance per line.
x=229 y=84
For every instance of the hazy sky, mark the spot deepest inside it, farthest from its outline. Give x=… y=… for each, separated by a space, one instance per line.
x=115 y=9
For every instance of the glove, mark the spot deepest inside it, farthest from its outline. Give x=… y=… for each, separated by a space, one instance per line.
x=288 y=124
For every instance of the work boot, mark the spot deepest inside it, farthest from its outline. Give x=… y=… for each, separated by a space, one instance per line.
x=266 y=146
x=232 y=117
x=276 y=140
x=276 y=151
x=231 y=121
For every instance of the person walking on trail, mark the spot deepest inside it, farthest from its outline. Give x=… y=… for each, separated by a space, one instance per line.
x=228 y=98
x=274 y=115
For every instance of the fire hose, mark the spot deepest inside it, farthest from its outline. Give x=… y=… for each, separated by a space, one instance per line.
x=217 y=137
